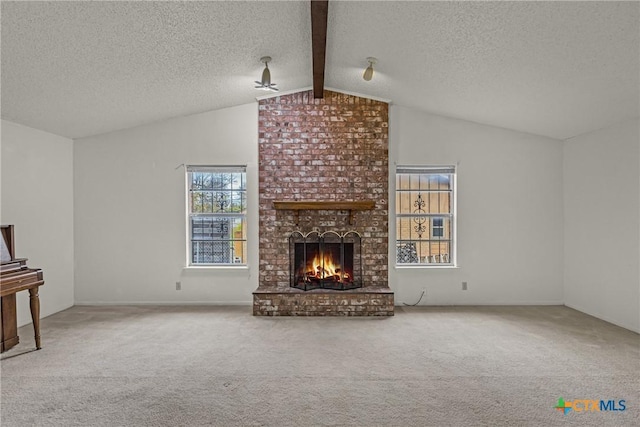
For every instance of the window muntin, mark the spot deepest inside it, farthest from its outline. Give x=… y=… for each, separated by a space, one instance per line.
x=217 y=203
x=425 y=215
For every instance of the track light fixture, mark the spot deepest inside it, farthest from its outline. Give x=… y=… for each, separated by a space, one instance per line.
x=265 y=82
x=368 y=73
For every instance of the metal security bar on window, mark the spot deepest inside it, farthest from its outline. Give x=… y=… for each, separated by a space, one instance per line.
x=217 y=202
x=424 y=214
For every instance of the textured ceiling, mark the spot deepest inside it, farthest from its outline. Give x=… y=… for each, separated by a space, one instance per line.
x=558 y=69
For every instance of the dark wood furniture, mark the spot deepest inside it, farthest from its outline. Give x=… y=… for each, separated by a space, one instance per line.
x=15 y=276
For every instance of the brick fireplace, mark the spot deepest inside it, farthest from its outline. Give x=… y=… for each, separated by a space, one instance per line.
x=323 y=171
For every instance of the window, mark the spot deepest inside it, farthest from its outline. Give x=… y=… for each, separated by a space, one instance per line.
x=437 y=227
x=425 y=215
x=217 y=203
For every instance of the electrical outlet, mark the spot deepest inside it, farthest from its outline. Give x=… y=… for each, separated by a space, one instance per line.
x=178 y=286
x=464 y=286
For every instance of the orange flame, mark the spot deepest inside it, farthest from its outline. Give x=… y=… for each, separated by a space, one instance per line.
x=325 y=267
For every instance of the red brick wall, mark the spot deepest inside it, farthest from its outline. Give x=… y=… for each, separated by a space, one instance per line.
x=335 y=148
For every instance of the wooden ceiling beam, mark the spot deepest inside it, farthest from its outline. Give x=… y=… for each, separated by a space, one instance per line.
x=319 y=9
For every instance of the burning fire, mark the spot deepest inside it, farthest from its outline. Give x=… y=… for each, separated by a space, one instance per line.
x=324 y=268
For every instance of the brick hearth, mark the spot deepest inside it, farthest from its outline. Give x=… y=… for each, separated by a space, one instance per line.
x=293 y=302
x=330 y=149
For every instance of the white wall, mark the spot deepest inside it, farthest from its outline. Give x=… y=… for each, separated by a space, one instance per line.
x=37 y=197
x=510 y=236
x=601 y=226
x=130 y=213
x=130 y=210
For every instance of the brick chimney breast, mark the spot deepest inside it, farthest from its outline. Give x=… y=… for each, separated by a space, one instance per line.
x=330 y=149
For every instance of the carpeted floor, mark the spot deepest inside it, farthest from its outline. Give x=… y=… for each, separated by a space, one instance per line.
x=428 y=366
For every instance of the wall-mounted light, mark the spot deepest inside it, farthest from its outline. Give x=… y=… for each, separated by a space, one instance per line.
x=368 y=73
x=265 y=82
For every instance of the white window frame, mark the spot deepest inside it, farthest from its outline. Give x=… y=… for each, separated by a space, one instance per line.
x=427 y=261
x=242 y=216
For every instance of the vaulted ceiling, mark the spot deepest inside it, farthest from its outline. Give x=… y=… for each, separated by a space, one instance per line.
x=557 y=69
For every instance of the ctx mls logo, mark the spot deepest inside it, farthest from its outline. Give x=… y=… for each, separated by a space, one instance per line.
x=590 y=405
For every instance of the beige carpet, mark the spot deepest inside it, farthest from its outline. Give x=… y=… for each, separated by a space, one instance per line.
x=193 y=366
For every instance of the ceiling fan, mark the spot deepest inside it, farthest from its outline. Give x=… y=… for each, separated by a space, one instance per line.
x=266 y=84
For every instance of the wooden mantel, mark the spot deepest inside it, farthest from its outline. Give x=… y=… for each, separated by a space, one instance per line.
x=298 y=206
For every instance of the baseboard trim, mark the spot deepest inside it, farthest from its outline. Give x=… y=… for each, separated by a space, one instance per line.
x=484 y=304
x=215 y=303
x=602 y=317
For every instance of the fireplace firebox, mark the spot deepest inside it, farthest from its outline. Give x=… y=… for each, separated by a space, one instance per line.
x=326 y=260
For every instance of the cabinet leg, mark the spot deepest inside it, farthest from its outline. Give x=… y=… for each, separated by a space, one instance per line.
x=34 y=305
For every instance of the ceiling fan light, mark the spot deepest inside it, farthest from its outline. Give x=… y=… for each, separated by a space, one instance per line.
x=368 y=73
x=265 y=81
x=266 y=76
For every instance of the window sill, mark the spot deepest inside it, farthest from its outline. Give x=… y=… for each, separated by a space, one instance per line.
x=425 y=266
x=217 y=267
